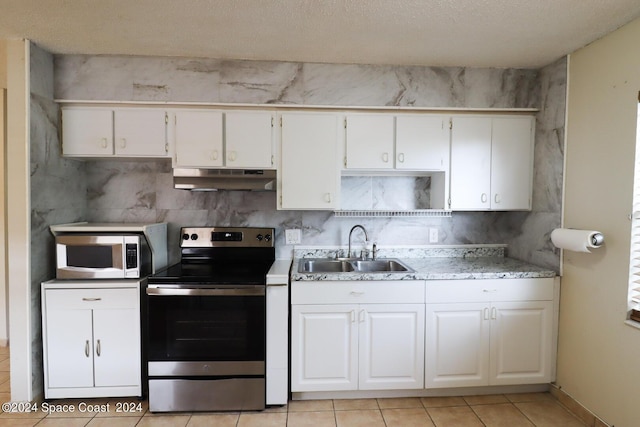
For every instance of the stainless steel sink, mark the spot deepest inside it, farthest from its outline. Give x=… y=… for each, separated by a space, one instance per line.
x=380 y=265
x=323 y=265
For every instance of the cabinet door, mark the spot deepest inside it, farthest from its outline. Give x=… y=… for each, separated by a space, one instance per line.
x=370 y=141
x=309 y=174
x=391 y=346
x=521 y=334
x=512 y=163
x=471 y=163
x=457 y=345
x=69 y=347
x=249 y=139
x=140 y=133
x=87 y=132
x=198 y=139
x=422 y=142
x=116 y=348
x=324 y=347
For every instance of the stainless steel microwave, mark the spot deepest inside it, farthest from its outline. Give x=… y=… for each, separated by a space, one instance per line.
x=102 y=256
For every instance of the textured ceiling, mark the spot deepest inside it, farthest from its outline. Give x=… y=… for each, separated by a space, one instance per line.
x=482 y=33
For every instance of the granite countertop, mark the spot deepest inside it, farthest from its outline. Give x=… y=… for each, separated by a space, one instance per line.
x=451 y=263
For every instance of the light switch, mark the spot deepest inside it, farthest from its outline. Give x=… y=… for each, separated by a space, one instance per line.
x=433 y=235
x=293 y=236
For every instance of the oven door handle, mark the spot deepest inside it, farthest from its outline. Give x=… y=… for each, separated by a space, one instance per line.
x=205 y=292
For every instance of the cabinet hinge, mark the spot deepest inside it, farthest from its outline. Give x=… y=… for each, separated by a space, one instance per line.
x=449 y=203
x=272 y=160
x=280 y=121
x=166 y=118
x=271 y=121
x=450 y=124
x=166 y=148
x=345 y=122
x=345 y=161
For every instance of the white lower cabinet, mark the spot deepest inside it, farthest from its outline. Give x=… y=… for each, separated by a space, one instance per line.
x=91 y=342
x=355 y=340
x=506 y=338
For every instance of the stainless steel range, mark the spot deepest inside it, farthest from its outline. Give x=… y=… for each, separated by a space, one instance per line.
x=206 y=322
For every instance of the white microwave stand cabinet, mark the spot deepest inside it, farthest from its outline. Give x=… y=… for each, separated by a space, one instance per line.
x=91 y=338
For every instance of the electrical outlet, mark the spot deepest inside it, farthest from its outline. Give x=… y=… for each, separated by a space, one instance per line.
x=293 y=236
x=433 y=235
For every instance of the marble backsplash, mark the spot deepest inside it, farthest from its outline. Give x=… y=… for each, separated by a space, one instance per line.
x=142 y=190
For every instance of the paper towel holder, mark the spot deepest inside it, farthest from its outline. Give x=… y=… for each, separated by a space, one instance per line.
x=597 y=239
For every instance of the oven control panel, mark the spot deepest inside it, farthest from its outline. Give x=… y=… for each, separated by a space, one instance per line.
x=209 y=237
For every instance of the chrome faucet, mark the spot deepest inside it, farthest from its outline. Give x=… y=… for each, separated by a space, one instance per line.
x=351 y=232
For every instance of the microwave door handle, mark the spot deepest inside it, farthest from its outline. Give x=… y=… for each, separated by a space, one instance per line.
x=152 y=291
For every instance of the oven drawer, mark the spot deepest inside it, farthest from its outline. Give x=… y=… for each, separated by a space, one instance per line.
x=81 y=299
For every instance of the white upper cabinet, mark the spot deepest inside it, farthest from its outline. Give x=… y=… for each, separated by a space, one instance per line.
x=87 y=132
x=422 y=142
x=512 y=163
x=369 y=141
x=309 y=173
x=198 y=138
x=471 y=163
x=140 y=132
x=405 y=142
x=217 y=139
x=120 y=132
x=249 y=138
x=492 y=162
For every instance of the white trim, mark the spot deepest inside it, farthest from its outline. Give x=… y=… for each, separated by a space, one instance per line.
x=19 y=219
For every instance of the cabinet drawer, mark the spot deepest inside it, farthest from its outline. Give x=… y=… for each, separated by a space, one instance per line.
x=444 y=291
x=350 y=292
x=80 y=299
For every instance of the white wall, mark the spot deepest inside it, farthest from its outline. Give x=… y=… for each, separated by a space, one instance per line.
x=598 y=353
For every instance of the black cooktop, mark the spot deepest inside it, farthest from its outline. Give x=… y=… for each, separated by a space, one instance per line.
x=222 y=273
x=239 y=256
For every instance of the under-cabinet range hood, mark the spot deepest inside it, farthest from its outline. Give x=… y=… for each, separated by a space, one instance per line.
x=224 y=179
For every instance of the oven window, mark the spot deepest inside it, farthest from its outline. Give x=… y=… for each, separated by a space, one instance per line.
x=206 y=328
x=90 y=256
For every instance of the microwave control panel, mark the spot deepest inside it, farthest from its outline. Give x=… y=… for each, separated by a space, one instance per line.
x=132 y=255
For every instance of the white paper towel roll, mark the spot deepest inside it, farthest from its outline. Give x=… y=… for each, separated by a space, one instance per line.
x=576 y=240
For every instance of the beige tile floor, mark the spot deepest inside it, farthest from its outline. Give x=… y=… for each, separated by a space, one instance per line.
x=508 y=410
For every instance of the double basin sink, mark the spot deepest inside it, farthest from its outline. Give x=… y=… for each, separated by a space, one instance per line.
x=325 y=265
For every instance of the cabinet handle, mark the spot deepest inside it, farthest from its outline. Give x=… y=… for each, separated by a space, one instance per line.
x=103 y=142
x=489 y=290
x=98 y=348
x=385 y=157
x=214 y=155
x=357 y=293
x=232 y=156
x=483 y=198
x=123 y=142
x=327 y=197
x=362 y=314
x=86 y=348
x=494 y=313
x=353 y=316
x=486 y=313
x=401 y=157
x=91 y=299
x=496 y=198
